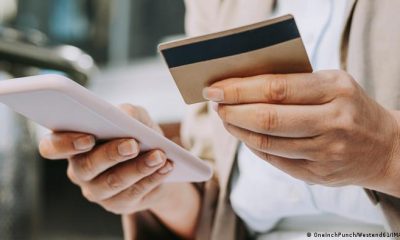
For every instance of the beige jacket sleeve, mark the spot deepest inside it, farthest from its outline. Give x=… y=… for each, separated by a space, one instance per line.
x=201 y=16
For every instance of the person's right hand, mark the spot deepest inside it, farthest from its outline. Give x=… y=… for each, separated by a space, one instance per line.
x=114 y=174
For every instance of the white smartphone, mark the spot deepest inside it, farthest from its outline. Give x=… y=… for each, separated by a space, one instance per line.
x=60 y=104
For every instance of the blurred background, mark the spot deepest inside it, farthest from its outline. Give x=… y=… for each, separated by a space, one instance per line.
x=109 y=46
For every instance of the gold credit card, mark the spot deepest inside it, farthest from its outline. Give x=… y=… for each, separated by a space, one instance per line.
x=270 y=47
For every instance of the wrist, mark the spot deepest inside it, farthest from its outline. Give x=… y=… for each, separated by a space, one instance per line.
x=177 y=198
x=179 y=209
x=391 y=176
x=168 y=199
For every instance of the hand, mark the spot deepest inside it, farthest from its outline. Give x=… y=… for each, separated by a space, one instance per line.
x=114 y=174
x=320 y=127
x=120 y=178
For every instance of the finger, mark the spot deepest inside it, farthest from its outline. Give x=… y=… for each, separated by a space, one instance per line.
x=276 y=120
x=88 y=165
x=71 y=174
x=141 y=115
x=126 y=174
x=294 y=148
x=297 y=168
x=63 y=145
x=132 y=196
x=304 y=88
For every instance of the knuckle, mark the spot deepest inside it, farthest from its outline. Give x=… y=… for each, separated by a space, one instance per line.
x=223 y=112
x=328 y=75
x=277 y=89
x=267 y=119
x=84 y=166
x=111 y=152
x=126 y=106
x=234 y=92
x=143 y=116
x=260 y=141
x=315 y=146
x=344 y=118
x=129 y=109
x=346 y=85
x=335 y=112
x=337 y=151
x=70 y=174
x=267 y=157
x=348 y=121
x=153 y=179
x=113 y=181
x=136 y=112
x=88 y=195
x=135 y=191
x=142 y=111
x=141 y=167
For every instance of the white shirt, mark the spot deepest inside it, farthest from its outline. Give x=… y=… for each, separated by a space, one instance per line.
x=263 y=195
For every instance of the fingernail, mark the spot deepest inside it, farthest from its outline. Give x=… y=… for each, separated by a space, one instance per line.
x=154 y=160
x=84 y=143
x=128 y=148
x=166 y=169
x=213 y=94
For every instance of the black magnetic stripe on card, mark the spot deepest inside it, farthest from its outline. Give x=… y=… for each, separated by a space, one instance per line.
x=233 y=44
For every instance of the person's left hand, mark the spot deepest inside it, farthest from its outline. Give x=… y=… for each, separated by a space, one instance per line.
x=319 y=127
